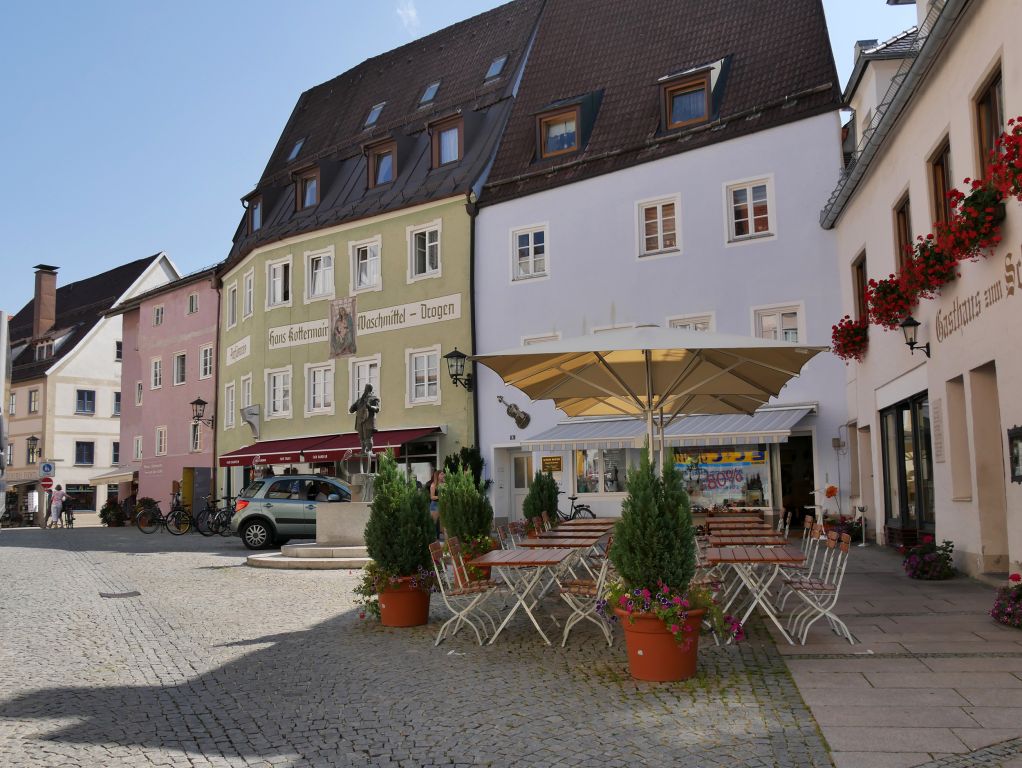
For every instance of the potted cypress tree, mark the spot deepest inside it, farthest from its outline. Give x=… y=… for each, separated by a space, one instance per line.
x=542 y=497
x=396 y=585
x=655 y=554
x=465 y=512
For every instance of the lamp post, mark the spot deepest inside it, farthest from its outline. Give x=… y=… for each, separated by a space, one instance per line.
x=456 y=369
x=910 y=327
x=198 y=410
x=33 y=449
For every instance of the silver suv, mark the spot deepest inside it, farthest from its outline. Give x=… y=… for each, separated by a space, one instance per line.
x=272 y=510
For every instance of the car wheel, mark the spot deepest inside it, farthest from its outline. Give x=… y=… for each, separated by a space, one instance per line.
x=256 y=534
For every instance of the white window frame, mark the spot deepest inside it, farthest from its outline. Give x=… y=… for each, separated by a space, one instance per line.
x=267 y=375
x=229 y=404
x=354 y=390
x=184 y=374
x=158 y=314
x=12 y=403
x=231 y=305
x=676 y=321
x=160 y=441
x=270 y=266
x=116 y=403
x=245 y=391
x=206 y=352
x=530 y=229
x=139 y=389
x=353 y=248
x=331 y=289
x=326 y=410
x=729 y=226
x=95 y=402
x=248 y=294
x=410 y=354
x=540 y=338
x=118 y=351
x=115 y=453
x=33 y=401
x=640 y=227
x=193 y=303
x=155 y=362
x=410 y=233
x=798 y=307
x=195 y=438
x=136 y=447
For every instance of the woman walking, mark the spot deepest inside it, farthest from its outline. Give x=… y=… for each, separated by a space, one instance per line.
x=434 y=498
x=57 y=507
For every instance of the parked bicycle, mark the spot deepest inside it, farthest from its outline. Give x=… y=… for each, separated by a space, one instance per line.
x=576 y=511
x=69 y=517
x=215 y=516
x=150 y=517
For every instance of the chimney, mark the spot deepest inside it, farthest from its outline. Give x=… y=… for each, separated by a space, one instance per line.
x=44 y=306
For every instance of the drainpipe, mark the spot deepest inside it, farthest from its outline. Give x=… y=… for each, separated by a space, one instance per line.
x=216 y=284
x=472 y=208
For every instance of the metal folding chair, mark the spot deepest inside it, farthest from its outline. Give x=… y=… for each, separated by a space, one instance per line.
x=461 y=600
x=582 y=596
x=820 y=595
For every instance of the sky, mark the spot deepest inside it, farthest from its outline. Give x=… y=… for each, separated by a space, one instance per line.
x=136 y=127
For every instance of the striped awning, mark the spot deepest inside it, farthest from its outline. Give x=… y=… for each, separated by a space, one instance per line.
x=767 y=425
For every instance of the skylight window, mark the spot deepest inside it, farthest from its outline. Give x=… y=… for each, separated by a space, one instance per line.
x=430 y=93
x=374 y=114
x=296 y=149
x=496 y=67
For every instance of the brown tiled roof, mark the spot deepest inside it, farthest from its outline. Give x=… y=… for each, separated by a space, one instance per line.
x=331 y=117
x=80 y=305
x=781 y=69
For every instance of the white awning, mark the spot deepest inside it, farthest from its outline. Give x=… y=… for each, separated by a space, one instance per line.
x=119 y=475
x=767 y=425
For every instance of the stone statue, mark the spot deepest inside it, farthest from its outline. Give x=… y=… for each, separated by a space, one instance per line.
x=365 y=410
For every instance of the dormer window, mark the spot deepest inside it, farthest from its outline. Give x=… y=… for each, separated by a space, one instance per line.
x=448 y=142
x=44 y=350
x=558 y=132
x=296 y=149
x=382 y=164
x=255 y=214
x=307 y=188
x=496 y=67
x=374 y=114
x=429 y=94
x=686 y=101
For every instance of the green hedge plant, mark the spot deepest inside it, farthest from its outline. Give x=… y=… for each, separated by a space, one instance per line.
x=465 y=511
x=542 y=497
x=400 y=528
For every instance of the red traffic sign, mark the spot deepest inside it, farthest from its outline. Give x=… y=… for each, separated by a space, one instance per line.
x=46 y=483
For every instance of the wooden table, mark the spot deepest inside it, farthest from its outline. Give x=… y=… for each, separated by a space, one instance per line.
x=741 y=539
x=766 y=532
x=756 y=567
x=507 y=563
x=559 y=542
x=733 y=519
x=603 y=524
x=574 y=533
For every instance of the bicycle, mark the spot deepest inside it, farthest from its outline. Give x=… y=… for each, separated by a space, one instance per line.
x=216 y=518
x=150 y=518
x=576 y=511
x=69 y=517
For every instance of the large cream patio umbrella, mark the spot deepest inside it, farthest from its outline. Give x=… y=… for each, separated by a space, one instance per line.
x=649 y=371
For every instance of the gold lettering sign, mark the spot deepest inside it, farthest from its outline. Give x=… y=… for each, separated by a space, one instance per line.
x=552 y=463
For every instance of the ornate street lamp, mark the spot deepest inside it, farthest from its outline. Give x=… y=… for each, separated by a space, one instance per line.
x=456 y=369
x=33 y=449
x=910 y=327
x=198 y=411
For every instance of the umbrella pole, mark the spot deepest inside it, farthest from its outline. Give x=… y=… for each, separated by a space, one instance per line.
x=663 y=454
x=650 y=445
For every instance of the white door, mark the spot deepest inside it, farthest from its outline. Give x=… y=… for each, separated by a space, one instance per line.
x=520 y=481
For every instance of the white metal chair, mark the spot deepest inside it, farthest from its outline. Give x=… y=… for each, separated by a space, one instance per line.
x=461 y=597
x=812 y=536
x=582 y=596
x=820 y=595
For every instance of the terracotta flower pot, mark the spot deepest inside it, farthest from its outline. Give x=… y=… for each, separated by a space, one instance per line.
x=402 y=605
x=653 y=652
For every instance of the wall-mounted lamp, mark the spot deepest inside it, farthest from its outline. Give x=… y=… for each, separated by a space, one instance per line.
x=456 y=369
x=33 y=449
x=910 y=327
x=198 y=411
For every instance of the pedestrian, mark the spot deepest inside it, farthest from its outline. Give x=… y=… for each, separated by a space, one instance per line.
x=434 y=498
x=57 y=507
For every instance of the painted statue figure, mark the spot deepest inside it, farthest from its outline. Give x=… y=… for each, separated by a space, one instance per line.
x=365 y=410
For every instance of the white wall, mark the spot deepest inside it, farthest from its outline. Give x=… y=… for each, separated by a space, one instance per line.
x=597 y=279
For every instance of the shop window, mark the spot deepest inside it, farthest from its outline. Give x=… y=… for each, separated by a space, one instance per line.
x=604 y=470
x=658 y=222
x=738 y=476
x=940 y=178
x=902 y=233
x=989 y=118
x=908 y=465
x=84 y=496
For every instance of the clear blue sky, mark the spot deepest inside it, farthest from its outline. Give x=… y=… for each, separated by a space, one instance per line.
x=134 y=127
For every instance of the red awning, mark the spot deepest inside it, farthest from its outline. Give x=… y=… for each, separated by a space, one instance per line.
x=334 y=448
x=321 y=448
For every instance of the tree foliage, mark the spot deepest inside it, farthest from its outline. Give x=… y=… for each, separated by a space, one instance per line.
x=465 y=511
x=654 y=540
x=470 y=458
x=542 y=497
x=400 y=528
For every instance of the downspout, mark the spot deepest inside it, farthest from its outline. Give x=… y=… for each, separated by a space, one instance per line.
x=472 y=208
x=217 y=283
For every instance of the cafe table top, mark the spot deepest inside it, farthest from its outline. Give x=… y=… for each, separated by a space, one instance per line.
x=522 y=558
x=728 y=531
x=592 y=522
x=577 y=542
x=754 y=555
x=741 y=540
x=733 y=519
x=574 y=533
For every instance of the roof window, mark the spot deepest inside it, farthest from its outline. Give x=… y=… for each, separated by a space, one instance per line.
x=430 y=93
x=558 y=132
x=382 y=163
x=687 y=101
x=296 y=149
x=496 y=67
x=374 y=114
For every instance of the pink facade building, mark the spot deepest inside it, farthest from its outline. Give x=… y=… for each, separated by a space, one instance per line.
x=169 y=361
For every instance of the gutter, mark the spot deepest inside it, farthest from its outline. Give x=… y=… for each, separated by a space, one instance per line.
x=943 y=25
x=472 y=208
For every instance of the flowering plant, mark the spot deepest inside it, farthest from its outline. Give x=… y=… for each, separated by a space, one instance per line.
x=831 y=491
x=1008 y=603
x=845 y=524
x=376 y=578
x=849 y=338
x=928 y=561
x=671 y=607
x=931 y=267
x=889 y=301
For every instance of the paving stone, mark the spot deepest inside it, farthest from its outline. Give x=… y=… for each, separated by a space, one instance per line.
x=873 y=739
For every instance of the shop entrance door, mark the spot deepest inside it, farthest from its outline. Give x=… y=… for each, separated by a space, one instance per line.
x=521 y=480
x=797 y=473
x=908 y=470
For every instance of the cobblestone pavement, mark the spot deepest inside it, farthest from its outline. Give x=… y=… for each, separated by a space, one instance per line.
x=217 y=664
